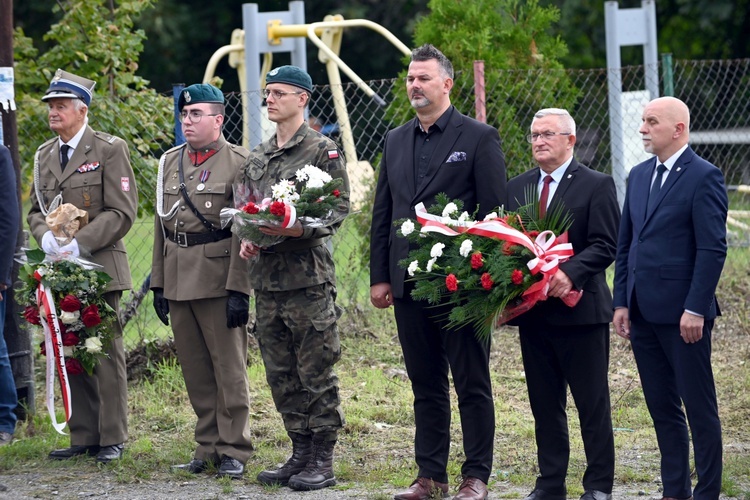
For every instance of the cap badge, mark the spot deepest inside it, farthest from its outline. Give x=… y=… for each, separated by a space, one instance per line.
x=273 y=72
x=187 y=96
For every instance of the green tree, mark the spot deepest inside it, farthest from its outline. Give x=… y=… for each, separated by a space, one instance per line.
x=96 y=40
x=509 y=35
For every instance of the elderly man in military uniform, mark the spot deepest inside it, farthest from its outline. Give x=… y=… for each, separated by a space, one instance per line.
x=199 y=280
x=92 y=171
x=295 y=292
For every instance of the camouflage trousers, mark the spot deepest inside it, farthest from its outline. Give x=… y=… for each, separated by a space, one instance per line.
x=299 y=342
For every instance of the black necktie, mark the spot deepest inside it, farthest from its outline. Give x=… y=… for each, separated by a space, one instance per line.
x=64 y=155
x=655 y=187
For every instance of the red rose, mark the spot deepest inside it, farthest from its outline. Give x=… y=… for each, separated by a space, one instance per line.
x=487 y=281
x=451 y=282
x=251 y=208
x=336 y=193
x=476 y=260
x=31 y=314
x=508 y=248
x=73 y=366
x=70 y=339
x=43 y=348
x=516 y=277
x=533 y=234
x=277 y=208
x=90 y=316
x=70 y=303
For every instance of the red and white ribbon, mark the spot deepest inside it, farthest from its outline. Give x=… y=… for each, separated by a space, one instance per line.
x=548 y=249
x=549 y=252
x=55 y=357
x=290 y=216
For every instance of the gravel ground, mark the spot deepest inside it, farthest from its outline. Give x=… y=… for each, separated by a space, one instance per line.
x=72 y=485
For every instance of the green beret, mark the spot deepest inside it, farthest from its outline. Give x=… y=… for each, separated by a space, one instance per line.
x=291 y=75
x=199 y=92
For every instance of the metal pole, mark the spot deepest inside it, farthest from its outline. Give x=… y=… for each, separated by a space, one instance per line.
x=667 y=74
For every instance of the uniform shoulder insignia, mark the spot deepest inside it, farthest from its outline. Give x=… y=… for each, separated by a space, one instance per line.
x=176 y=148
x=243 y=152
x=47 y=143
x=105 y=137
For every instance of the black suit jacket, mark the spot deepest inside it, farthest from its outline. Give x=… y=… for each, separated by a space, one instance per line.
x=591 y=199
x=477 y=178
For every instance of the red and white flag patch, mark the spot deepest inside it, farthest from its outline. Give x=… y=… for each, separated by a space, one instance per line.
x=333 y=154
x=125 y=183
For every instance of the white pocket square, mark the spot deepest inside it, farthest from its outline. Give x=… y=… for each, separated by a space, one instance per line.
x=456 y=156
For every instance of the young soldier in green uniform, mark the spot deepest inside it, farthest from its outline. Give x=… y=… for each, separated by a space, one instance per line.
x=295 y=292
x=199 y=280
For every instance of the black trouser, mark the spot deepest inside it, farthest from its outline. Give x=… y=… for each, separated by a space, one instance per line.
x=554 y=358
x=429 y=352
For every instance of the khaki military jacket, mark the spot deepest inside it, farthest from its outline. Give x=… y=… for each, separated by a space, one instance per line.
x=206 y=270
x=99 y=179
x=278 y=269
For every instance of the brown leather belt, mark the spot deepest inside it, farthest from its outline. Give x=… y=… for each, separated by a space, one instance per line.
x=190 y=239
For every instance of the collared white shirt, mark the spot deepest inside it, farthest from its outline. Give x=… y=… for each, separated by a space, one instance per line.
x=669 y=164
x=557 y=176
x=73 y=143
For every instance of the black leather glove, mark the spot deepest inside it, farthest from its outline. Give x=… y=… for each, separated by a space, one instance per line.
x=238 y=309
x=161 y=305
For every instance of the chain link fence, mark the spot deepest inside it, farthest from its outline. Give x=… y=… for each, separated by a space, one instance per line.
x=717 y=93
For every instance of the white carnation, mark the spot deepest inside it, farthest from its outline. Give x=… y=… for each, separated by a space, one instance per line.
x=463 y=217
x=490 y=216
x=430 y=263
x=466 y=247
x=413 y=267
x=449 y=209
x=407 y=227
x=437 y=250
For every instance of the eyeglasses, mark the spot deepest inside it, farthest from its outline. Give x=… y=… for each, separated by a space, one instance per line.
x=277 y=94
x=195 y=116
x=545 y=135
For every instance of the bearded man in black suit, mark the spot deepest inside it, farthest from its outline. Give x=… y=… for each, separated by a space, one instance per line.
x=566 y=346
x=439 y=151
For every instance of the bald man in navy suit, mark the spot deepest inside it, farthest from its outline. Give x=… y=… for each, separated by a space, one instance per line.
x=671 y=251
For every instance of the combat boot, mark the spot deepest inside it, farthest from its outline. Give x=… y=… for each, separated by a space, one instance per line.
x=302 y=450
x=319 y=470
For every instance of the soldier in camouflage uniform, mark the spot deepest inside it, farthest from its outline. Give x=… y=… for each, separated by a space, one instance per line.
x=294 y=283
x=199 y=280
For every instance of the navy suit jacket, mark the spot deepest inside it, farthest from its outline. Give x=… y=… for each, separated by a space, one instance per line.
x=10 y=218
x=673 y=255
x=591 y=199
x=477 y=178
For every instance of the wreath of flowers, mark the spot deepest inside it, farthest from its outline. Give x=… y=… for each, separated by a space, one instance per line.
x=83 y=316
x=488 y=271
x=319 y=203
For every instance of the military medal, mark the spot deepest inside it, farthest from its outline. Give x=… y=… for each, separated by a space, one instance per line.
x=203 y=178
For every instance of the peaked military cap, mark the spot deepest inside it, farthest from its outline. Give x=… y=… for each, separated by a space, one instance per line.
x=197 y=93
x=291 y=75
x=68 y=85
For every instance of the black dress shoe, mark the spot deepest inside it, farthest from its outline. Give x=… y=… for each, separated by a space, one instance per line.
x=231 y=468
x=74 y=451
x=596 y=495
x=109 y=453
x=544 y=495
x=195 y=466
